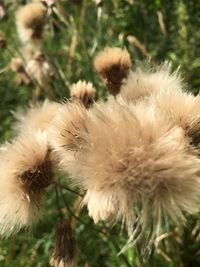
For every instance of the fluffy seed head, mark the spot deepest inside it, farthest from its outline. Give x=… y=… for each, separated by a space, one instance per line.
x=37 y=117
x=83 y=92
x=132 y=155
x=113 y=64
x=24 y=174
x=65 y=248
x=30 y=20
x=182 y=108
x=141 y=83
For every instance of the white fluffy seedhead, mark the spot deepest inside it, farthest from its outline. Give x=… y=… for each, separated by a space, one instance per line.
x=182 y=108
x=25 y=171
x=36 y=118
x=130 y=155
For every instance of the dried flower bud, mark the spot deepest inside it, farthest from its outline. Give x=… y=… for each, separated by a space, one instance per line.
x=113 y=64
x=30 y=21
x=65 y=250
x=83 y=92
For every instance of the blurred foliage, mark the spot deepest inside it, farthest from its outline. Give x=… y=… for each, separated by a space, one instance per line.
x=152 y=31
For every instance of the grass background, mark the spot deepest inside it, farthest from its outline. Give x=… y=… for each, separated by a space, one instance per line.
x=153 y=31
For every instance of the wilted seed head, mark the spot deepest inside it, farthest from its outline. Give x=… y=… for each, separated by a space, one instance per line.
x=3 y=42
x=83 y=92
x=113 y=64
x=65 y=248
x=26 y=170
x=30 y=21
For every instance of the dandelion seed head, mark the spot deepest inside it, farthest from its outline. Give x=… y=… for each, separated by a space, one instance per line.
x=25 y=173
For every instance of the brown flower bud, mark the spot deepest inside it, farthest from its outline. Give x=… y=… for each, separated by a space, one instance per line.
x=65 y=250
x=83 y=92
x=113 y=64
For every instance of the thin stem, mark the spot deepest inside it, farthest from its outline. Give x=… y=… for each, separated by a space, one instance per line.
x=57 y=202
x=68 y=189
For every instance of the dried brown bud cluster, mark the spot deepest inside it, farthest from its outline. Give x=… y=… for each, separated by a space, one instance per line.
x=83 y=92
x=26 y=170
x=113 y=64
x=65 y=249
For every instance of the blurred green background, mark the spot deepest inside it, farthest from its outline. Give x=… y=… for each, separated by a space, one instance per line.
x=153 y=31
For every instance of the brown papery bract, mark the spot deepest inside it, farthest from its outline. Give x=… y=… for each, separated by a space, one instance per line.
x=113 y=64
x=26 y=170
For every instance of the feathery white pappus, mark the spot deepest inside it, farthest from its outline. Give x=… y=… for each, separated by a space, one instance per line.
x=36 y=118
x=131 y=154
x=140 y=83
x=25 y=172
x=63 y=135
